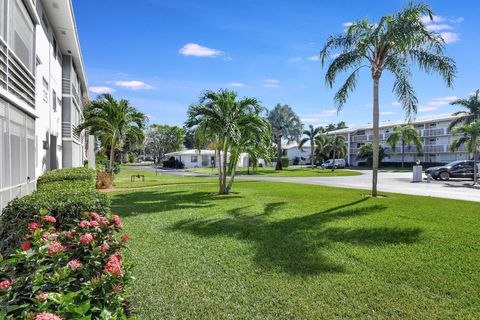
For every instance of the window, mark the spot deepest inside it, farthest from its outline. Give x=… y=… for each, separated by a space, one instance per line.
x=2 y=18
x=45 y=89
x=22 y=35
x=194 y=159
x=54 y=48
x=54 y=101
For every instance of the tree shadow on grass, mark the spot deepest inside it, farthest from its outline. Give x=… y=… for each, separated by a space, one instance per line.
x=299 y=245
x=154 y=201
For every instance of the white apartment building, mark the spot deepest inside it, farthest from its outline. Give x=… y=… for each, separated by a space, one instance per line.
x=42 y=86
x=295 y=154
x=433 y=130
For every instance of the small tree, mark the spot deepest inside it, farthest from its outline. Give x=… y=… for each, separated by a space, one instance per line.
x=337 y=146
x=405 y=135
x=366 y=153
x=162 y=139
x=286 y=125
x=471 y=139
x=311 y=134
x=472 y=112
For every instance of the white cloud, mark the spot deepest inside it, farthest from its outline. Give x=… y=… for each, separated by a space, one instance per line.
x=396 y=104
x=236 y=84
x=387 y=113
x=347 y=24
x=271 y=83
x=427 y=109
x=450 y=37
x=100 y=90
x=227 y=59
x=295 y=59
x=196 y=50
x=438 y=27
x=134 y=85
x=436 y=19
x=312 y=43
x=318 y=117
x=314 y=58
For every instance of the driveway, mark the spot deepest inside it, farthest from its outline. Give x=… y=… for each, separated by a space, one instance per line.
x=396 y=182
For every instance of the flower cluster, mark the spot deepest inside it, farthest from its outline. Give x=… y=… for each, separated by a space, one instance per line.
x=82 y=257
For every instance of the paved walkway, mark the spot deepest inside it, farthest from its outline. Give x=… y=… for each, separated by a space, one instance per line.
x=396 y=182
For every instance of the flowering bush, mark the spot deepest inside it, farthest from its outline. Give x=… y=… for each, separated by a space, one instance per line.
x=76 y=273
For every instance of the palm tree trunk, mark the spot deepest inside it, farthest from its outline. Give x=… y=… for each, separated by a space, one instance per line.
x=232 y=178
x=224 y=169
x=312 y=152
x=112 y=154
x=403 y=152
x=475 y=165
x=219 y=160
x=376 y=137
x=278 y=166
x=333 y=164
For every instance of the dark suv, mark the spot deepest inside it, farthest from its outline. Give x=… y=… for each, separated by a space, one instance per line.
x=455 y=169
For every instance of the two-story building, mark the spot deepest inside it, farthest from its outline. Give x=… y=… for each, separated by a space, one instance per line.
x=433 y=131
x=42 y=86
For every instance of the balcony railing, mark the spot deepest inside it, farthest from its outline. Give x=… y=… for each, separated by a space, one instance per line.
x=15 y=77
x=433 y=132
x=435 y=148
x=360 y=138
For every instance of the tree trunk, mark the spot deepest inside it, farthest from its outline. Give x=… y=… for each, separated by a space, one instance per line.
x=112 y=155
x=278 y=166
x=232 y=178
x=376 y=137
x=475 y=165
x=403 y=152
x=334 y=154
x=219 y=160
x=224 y=169
x=312 y=152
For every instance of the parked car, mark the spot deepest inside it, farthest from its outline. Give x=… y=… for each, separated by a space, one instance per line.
x=339 y=163
x=455 y=169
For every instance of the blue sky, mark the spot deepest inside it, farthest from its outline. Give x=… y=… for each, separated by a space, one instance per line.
x=161 y=54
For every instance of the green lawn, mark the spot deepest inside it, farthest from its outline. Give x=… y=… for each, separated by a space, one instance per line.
x=122 y=180
x=286 y=172
x=283 y=251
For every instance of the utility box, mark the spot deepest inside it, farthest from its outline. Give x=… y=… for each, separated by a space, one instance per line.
x=417 y=174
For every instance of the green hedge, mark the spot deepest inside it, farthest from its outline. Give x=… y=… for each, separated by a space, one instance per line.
x=70 y=175
x=285 y=162
x=66 y=193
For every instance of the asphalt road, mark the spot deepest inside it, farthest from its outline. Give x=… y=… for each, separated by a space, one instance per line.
x=396 y=182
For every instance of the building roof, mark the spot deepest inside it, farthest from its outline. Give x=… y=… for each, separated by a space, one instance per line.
x=62 y=19
x=386 y=124
x=192 y=152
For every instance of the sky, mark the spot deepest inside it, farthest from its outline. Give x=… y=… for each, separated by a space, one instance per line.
x=162 y=54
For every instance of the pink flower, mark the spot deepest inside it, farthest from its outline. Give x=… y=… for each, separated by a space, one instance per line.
x=41 y=297
x=86 y=238
x=49 y=219
x=104 y=248
x=95 y=216
x=47 y=316
x=5 y=284
x=26 y=245
x=69 y=234
x=34 y=226
x=55 y=247
x=94 y=224
x=114 y=265
x=84 y=224
x=28 y=236
x=46 y=235
x=116 y=219
x=74 y=264
x=125 y=237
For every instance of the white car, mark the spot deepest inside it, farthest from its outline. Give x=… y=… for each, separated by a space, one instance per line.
x=339 y=163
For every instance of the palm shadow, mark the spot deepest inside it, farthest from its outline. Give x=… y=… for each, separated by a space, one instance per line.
x=299 y=245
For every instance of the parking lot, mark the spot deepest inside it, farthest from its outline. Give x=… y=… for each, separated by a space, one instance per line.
x=399 y=182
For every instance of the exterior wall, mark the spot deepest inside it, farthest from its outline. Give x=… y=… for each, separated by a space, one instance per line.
x=294 y=152
x=436 y=139
x=205 y=160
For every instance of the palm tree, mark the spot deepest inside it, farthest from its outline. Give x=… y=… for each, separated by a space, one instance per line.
x=337 y=146
x=285 y=125
x=366 y=153
x=115 y=122
x=222 y=121
x=472 y=104
x=311 y=134
x=392 y=44
x=405 y=135
x=471 y=139
x=322 y=151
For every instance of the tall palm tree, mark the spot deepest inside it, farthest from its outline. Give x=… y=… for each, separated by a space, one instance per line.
x=472 y=104
x=322 y=150
x=115 y=122
x=220 y=120
x=405 y=135
x=285 y=125
x=471 y=139
x=392 y=44
x=337 y=147
x=311 y=134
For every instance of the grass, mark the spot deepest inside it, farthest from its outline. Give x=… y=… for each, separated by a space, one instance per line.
x=283 y=251
x=286 y=172
x=123 y=179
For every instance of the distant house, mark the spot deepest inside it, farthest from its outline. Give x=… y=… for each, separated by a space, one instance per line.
x=295 y=154
x=193 y=158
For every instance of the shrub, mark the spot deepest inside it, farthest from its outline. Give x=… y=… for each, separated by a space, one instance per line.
x=173 y=163
x=65 y=205
x=68 y=175
x=72 y=274
x=285 y=162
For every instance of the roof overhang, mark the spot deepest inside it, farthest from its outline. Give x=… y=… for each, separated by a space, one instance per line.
x=61 y=17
